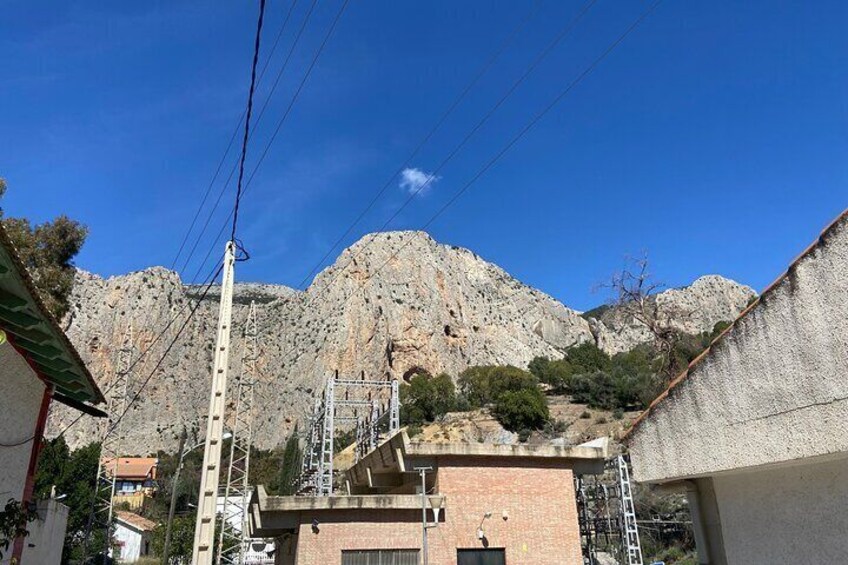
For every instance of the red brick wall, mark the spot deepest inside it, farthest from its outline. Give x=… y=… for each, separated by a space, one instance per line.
x=540 y=528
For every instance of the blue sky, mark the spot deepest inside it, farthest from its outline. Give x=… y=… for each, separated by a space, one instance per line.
x=714 y=138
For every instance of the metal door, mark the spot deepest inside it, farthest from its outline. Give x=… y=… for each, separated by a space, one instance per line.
x=480 y=557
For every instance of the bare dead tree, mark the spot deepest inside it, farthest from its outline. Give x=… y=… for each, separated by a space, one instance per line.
x=635 y=298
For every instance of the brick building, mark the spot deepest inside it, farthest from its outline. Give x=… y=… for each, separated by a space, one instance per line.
x=499 y=504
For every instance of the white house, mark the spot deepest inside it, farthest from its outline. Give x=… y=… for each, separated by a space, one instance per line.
x=132 y=535
x=756 y=430
x=38 y=365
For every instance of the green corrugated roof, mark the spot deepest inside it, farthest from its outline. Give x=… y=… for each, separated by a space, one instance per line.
x=34 y=332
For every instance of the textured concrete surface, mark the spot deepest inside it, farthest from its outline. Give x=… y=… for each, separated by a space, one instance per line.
x=46 y=538
x=792 y=514
x=20 y=401
x=772 y=390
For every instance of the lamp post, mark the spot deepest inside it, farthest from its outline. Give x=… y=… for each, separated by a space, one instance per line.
x=435 y=501
x=166 y=549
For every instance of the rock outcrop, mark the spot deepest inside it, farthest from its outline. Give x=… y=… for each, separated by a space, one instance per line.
x=392 y=304
x=692 y=309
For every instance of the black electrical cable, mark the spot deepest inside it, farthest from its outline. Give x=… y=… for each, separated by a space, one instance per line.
x=279 y=125
x=249 y=112
x=233 y=137
x=268 y=98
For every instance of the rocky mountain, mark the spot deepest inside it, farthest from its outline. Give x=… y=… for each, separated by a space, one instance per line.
x=392 y=304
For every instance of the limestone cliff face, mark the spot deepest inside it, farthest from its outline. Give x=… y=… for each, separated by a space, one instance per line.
x=392 y=303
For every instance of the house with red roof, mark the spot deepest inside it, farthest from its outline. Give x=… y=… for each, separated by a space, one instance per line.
x=755 y=432
x=135 y=479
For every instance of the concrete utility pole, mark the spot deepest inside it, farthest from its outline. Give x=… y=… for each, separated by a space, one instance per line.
x=204 y=531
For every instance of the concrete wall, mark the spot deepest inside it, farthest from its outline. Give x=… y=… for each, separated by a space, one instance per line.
x=46 y=536
x=792 y=514
x=20 y=400
x=540 y=526
x=774 y=389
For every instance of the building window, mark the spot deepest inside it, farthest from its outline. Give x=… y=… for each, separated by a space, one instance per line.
x=380 y=557
x=480 y=557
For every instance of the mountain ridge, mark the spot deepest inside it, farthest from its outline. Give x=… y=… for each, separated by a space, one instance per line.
x=391 y=304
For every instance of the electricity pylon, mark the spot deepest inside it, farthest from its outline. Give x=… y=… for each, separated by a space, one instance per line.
x=204 y=529
x=110 y=444
x=233 y=539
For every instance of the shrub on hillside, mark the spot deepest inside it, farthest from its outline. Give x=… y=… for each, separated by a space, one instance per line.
x=525 y=409
x=484 y=384
x=427 y=398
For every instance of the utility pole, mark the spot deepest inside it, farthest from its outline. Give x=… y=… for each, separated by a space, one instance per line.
x=233 y=539
x=166 y=549
x=204 y=531
x=423 y=472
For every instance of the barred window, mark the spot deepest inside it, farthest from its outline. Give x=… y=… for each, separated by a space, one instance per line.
x=380 y=557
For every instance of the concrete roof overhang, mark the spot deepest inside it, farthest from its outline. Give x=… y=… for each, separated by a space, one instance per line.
x=384 y=466
x=35 y=334
x=271 y=516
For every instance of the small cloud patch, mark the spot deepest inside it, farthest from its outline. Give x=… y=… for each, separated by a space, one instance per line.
x=415 y=181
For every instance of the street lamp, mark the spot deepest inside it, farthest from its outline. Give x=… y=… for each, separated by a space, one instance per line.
x=436 y=502
x=183 y=452
x=480 y=534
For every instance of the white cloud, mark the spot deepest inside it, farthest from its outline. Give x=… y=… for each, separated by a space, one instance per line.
x=416 y=181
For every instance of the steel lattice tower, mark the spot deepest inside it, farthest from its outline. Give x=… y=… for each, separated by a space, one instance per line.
x=110 y=443
x=233 y=539
x=316 y=475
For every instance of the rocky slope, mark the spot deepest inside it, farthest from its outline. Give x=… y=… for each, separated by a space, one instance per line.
x=393 y=303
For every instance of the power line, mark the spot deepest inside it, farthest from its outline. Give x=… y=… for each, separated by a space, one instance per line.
x=268 y=98
x=247 y=119
x=232 y=138
x=279 y=125
x=211 y=184
x=457 y=101
x=565 y=31
x=299 y=88
x=499 y=154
